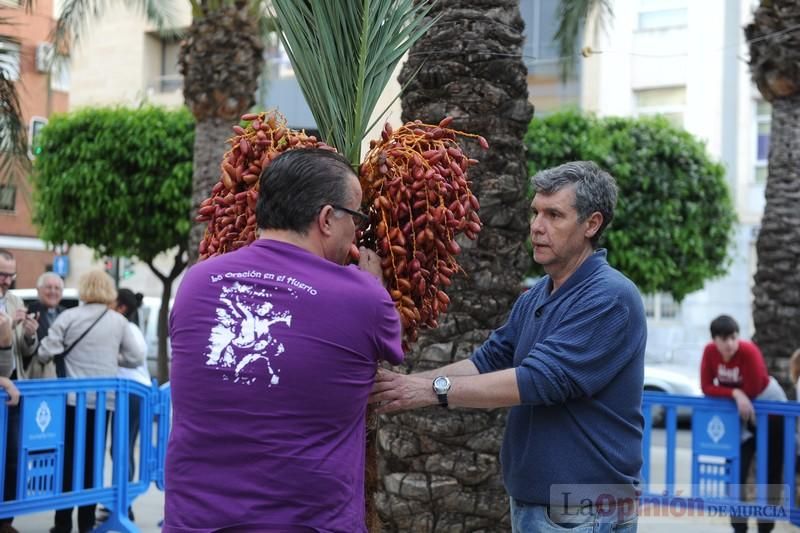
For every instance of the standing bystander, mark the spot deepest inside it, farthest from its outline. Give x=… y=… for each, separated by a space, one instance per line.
x=49 y=289
x=734 y=368
x=21 y=349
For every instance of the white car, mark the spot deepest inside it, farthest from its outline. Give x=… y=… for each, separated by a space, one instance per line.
x=675 y=373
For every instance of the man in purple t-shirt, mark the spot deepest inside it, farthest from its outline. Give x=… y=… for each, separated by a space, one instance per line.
x=274 y=351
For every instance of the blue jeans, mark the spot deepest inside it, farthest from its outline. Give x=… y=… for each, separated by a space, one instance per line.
x=530 y=518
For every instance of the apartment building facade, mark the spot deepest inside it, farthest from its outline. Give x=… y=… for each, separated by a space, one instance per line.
x=42 y=92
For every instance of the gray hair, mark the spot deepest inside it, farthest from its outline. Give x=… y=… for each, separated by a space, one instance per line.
x=595 y=189
x=43 y=278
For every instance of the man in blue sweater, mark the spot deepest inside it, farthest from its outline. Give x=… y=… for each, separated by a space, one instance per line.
x=569 y=361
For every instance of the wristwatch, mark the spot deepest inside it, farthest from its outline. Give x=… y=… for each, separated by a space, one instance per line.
x=441 y=386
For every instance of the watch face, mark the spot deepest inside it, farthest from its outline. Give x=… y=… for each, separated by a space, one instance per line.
x=441 y=384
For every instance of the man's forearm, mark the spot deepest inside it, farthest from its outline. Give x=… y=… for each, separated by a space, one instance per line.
x=465 y=367
x=485 y=391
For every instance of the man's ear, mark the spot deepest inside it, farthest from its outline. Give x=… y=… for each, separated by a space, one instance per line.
x=324 y=220
x=594 y=222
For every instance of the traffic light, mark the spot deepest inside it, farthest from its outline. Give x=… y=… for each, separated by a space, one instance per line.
x=108 y=264
x=35 y=145
x=128 y=265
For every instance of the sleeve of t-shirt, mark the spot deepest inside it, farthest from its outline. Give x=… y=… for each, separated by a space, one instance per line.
x=387 y=330
x=586 y=350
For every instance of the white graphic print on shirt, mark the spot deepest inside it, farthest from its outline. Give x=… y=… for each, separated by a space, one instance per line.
x=242 y=334
x=728 y=377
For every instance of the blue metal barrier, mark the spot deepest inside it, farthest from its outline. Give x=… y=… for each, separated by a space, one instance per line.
x=42 y=440
x=715 y=464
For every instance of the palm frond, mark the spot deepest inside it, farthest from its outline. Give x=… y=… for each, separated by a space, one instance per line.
x=572 y=17
x=77 y=15
x=343 y=54
x=14 y=162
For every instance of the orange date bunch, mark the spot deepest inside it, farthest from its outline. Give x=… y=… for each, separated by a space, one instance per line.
x=418 y=196
x=230 y=210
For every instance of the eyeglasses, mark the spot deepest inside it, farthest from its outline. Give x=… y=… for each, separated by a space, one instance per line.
x=360 y=219
x=8 y=275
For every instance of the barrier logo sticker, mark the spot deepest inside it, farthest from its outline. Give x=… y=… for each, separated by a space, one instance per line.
x=43 y=416
x=716 y=429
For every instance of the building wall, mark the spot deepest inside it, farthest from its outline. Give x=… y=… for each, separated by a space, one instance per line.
x=118 y=61
x=37 y=99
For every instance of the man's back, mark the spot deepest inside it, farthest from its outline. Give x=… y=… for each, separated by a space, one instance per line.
x=274 y=353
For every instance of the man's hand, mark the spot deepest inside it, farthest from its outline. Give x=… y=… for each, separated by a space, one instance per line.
x=29 y=325
x=370 y=262
x=11 y=389
x=398 y=392
x=744 y=405
x=6 y=330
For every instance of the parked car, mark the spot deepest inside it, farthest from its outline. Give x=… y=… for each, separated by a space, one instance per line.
x=68 y=299
x=148 y=320
x=675 y=371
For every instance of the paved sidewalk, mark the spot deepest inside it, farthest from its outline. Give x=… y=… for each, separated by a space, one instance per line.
x=148 y=509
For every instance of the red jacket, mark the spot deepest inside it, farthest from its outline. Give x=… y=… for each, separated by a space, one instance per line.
x=746 y=371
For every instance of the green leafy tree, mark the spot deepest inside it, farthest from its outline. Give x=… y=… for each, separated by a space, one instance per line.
x=119 y=181
x=674 y=218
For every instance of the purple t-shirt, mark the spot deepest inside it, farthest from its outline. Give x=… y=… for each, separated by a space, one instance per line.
x=274 y=352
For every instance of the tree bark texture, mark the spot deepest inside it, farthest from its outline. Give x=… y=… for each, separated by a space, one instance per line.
x=221 y=60
x=776 y=293
x=440 y=469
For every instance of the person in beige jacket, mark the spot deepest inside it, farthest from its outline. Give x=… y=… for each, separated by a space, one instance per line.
x=18 y=343
x=108 y=345
x=24 y=340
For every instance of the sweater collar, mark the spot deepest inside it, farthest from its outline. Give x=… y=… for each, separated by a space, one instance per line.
x=592 y=263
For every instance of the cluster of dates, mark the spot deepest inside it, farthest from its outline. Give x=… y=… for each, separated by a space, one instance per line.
x=416 y=188
x=416 y=192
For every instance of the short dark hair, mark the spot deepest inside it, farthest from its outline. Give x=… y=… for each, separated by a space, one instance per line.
x=595 y=190
x=132 y=301
x=297 y=184
x=723 y=326
x=7 y=255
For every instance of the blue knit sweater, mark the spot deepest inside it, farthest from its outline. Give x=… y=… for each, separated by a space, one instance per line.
x=579 y=359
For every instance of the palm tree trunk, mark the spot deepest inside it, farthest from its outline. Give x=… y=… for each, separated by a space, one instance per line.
x=209 y=147
x=440 y=469
x=776 y=293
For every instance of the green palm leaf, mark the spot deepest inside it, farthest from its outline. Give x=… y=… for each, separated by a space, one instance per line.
x=343 y=53
x=572 y=18
x=14 y=162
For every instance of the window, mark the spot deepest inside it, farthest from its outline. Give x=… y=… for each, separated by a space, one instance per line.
x=8 y=197
x=660 y=306
x=171 y=78
x=9 y=59
x=662 y=14
x=763 y=126
x=668 y=102
x=37 y=123
x=60 y=75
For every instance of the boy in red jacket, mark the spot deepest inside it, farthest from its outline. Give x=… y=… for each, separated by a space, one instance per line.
x=734 y=368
